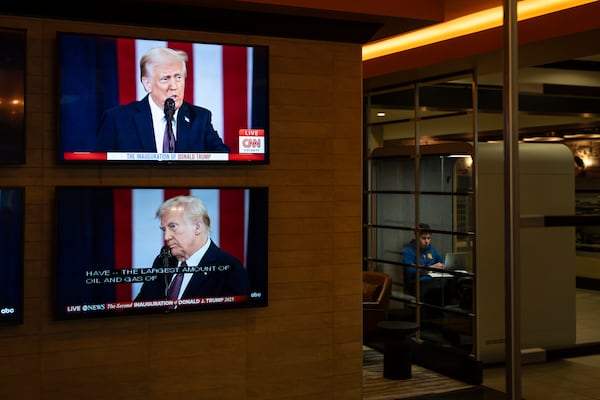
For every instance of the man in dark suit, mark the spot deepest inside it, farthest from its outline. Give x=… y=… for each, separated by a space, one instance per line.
x=207 y=270
x=147 y=126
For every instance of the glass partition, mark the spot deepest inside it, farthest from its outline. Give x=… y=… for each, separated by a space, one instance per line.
x=420 y=172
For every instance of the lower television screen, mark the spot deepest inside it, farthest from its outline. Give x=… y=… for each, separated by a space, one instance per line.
x=120 y=249
x=11 y=245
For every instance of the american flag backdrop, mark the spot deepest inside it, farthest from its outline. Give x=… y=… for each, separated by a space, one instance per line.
x=96 y=73
x=217 y=78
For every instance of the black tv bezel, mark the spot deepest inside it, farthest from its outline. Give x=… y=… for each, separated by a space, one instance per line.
x=60 y=160
x=61 y=315
x=20 y=315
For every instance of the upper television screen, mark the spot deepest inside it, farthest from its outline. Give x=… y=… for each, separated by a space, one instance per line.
x=127 y=100
x=12 y=96
x=11 y=245
x=120 y=250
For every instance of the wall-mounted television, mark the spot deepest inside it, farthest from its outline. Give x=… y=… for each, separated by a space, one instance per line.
x=113 y=110
x=119 y=250
x=12 y=96
x=11 y=247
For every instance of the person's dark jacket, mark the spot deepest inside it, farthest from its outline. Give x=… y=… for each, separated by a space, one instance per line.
x=128 y=128
x=207 y=283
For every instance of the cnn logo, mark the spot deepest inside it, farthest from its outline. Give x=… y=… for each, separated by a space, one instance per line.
x=251 y=144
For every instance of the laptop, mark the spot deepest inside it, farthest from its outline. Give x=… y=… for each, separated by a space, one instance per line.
x=456 y=261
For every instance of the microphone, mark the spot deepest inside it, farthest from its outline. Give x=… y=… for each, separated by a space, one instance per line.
x=169 y=108
x=169 y=139
x=165 y=254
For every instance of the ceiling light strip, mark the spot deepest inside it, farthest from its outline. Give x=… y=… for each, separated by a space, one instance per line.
x=472 y=23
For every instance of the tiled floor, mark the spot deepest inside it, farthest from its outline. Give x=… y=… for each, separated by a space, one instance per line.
x=569 y=379
x=575 y=378
x=588 y=312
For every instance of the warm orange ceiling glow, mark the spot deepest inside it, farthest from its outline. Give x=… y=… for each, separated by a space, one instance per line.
x=472 y=23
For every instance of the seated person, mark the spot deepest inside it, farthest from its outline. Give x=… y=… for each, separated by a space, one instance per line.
x=428 y=257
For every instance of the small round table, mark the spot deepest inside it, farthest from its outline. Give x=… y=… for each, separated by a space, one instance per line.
x=397 y=346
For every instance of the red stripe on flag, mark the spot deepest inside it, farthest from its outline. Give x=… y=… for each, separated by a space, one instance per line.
x=231 y=221
x=168 y=193
x=235 y=94
x=189 y=81
x=123 y=237
x=126 y=70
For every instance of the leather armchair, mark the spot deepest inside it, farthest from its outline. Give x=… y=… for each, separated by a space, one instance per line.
x=377 y=288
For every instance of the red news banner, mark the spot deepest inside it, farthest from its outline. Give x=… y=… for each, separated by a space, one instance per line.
x=251 y=147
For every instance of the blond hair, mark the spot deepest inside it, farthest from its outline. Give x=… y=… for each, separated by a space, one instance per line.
x=193 y=209
x=161 y=55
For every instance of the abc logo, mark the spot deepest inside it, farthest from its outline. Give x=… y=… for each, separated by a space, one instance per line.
x=7 y=310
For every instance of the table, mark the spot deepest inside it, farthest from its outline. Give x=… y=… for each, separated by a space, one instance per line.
x=397 y=348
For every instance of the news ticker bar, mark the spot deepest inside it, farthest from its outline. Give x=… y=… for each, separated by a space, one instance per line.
x=137 y=305
x=166 y=157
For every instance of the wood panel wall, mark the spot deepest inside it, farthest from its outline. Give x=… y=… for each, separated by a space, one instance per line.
x=305 y=345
